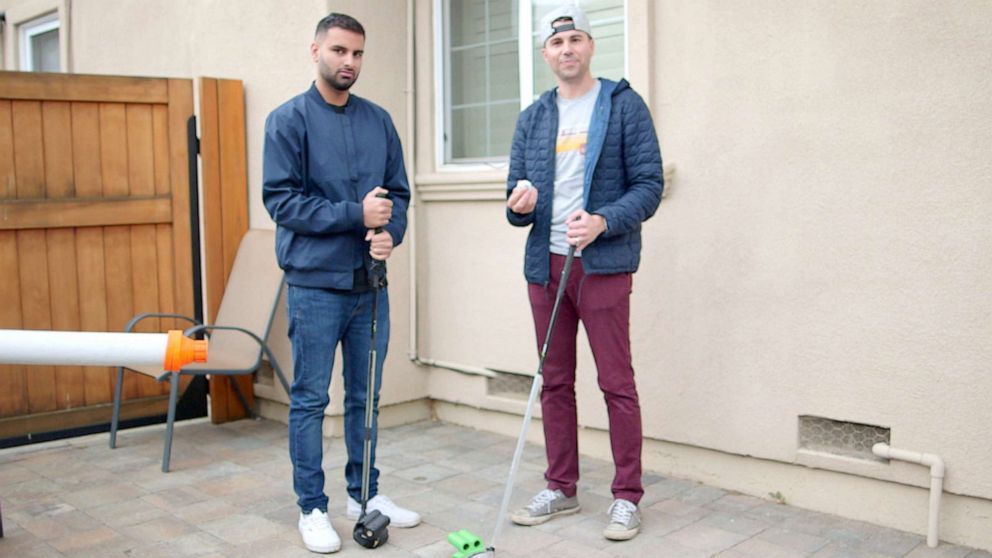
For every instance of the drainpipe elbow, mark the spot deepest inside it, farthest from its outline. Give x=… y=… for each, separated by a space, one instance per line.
x=936 y=465
x=935 y=462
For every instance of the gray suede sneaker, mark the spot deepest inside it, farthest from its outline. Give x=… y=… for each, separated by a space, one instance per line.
x=625 y=522
x=546 y=505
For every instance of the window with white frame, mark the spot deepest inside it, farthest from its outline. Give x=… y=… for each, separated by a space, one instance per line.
x=490 y=70
x=39 y=44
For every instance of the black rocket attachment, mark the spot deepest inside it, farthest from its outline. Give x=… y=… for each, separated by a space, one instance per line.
x=371 y=530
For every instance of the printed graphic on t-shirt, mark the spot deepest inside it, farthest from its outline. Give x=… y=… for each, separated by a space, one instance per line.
x=572 y=140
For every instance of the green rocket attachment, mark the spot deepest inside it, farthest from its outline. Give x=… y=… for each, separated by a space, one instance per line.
x=466 y=544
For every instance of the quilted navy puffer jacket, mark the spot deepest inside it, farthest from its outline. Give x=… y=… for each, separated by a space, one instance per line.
x=623 y=178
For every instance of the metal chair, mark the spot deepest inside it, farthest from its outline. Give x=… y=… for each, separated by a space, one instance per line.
x=237 y=340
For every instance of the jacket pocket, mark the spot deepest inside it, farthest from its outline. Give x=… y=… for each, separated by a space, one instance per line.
x=297 y=252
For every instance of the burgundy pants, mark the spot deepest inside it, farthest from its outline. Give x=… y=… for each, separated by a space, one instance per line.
x=602 y=303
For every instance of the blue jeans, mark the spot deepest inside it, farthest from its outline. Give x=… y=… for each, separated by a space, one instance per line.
x=318 y=320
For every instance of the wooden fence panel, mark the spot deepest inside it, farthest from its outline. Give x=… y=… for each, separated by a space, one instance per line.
x=95 y=199
x=13 y=379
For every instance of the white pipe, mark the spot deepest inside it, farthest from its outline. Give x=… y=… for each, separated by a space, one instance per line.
x=463 y=368
x=87 y=348
x=411 y=166
x=936 y=465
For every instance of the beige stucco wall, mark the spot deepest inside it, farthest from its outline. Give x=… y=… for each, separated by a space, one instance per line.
x=822 y=248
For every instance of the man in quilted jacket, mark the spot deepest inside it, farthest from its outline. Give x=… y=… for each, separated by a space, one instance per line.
x=585 y=171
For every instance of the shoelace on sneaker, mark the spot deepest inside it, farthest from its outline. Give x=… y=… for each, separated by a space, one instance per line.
x=620 y=512
x=383 y=500
x=542 y=499
x=317 y=521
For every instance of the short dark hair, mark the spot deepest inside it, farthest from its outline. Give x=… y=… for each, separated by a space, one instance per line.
x=342 y=21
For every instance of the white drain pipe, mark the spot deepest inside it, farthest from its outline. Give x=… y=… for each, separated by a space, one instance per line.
x=936 y=465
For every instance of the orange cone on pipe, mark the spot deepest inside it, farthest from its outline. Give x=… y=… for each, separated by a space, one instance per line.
x=180 y=351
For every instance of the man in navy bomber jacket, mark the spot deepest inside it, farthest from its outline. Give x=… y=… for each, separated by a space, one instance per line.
x=328 y=156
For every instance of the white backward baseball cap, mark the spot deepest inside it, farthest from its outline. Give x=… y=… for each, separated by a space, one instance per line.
x=567 y=11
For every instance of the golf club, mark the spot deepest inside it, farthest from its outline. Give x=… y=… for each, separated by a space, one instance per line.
x=469 y=545
x=371 y=528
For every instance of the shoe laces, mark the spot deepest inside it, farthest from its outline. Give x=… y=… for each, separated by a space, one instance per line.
x=542 y=499
x=620 y=511
x=382 y=500
x=317 y=521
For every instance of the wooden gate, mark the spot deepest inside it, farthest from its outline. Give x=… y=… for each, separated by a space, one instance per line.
x=94 y=227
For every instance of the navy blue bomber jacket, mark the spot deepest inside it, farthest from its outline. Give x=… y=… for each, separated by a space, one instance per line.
x=319 y=162
x=622 y=182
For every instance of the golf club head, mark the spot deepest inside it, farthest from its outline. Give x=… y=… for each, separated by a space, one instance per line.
x=371 y=530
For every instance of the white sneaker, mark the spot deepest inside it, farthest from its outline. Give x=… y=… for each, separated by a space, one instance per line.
x=318 y=535
x=398 y=517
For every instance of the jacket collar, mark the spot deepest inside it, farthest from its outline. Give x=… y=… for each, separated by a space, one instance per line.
x=316 y=97
x=609 y=87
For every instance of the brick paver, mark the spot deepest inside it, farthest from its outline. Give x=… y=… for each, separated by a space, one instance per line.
x=230 y=495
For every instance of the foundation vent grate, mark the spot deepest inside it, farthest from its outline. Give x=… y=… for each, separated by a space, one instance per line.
x=849 y=439
x=513 y=385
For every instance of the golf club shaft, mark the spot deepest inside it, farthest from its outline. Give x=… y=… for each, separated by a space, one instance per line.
x=376 y=270
x=369 y=400
x=535 y=388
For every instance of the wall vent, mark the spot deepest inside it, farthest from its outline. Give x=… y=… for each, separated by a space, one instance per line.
x=849 y=439
x=509 y=385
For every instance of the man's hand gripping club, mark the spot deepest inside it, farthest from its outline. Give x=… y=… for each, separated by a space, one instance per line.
x=377 y=208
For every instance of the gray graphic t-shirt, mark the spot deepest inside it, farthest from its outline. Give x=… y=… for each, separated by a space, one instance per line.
x=574 y=116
